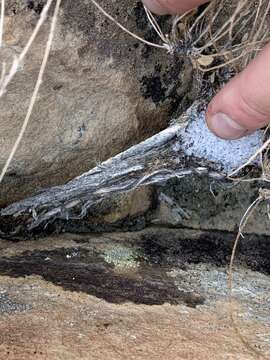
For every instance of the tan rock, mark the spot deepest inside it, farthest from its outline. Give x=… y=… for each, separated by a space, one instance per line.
x=94 y=101
x=118 y=311
x=131 y=204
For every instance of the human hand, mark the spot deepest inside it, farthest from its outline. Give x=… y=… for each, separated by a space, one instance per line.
x=243 y=105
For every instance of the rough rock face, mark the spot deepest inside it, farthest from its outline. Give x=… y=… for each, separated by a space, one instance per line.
x=102 y=92
x=154 y=294
x=201 y=203
x=151 y=294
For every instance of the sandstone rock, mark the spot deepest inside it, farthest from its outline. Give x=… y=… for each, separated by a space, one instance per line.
x=102 y=92
x=132 y=295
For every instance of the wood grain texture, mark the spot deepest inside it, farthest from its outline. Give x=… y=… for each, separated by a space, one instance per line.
x=155 y=160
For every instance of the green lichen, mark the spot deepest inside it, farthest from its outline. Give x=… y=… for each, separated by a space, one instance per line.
x=122 y=257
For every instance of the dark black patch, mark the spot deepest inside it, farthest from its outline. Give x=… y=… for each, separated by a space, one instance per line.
x=12 y=174
x=15 y=229
x=152 y=88
x=57 y=87
x=155 y=251
x=79 y=269
x=36 y=5
x=213 y=248
x=140 y=16
x=82 y=270
x=173 y=86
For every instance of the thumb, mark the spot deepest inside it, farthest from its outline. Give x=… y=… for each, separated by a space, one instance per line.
x=243 y=105
x=162 y=7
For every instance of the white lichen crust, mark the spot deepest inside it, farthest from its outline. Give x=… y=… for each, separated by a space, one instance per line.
x=198 y=141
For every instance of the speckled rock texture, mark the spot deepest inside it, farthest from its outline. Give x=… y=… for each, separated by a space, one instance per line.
x=103 y=91
x=152 y=281
x=153 y=294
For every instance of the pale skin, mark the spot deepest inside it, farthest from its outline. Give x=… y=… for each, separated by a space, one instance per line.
x=243 y=105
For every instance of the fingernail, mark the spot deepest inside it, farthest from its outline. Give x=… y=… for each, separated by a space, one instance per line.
x=155 y=6
x=225 y=127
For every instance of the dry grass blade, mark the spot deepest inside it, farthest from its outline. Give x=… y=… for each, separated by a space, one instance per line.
x=264 y=147
x=36 y=90
x=216 y=31
x=221 y=27
x=104 y=12
x=155 y=24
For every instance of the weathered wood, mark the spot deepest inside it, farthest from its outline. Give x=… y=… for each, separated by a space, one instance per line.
x=159 y=158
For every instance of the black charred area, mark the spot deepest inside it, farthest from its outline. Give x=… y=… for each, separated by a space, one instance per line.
x=152 y=88
x=15 y=7
x=35 y=5
x=13 y=229
x=211 y=247
x=83 y=269
x=88 y=272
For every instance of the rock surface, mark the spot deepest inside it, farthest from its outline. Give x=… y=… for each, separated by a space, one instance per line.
x=103 y=91
x=201 y=203
x=151 y=294
x=146 y=295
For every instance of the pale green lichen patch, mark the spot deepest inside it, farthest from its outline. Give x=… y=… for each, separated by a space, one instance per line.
x=122 y=257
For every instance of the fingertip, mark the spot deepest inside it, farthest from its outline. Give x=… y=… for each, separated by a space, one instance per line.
x=242 y=106
x=162 y=7
x=224 y=127
x=155 y=6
